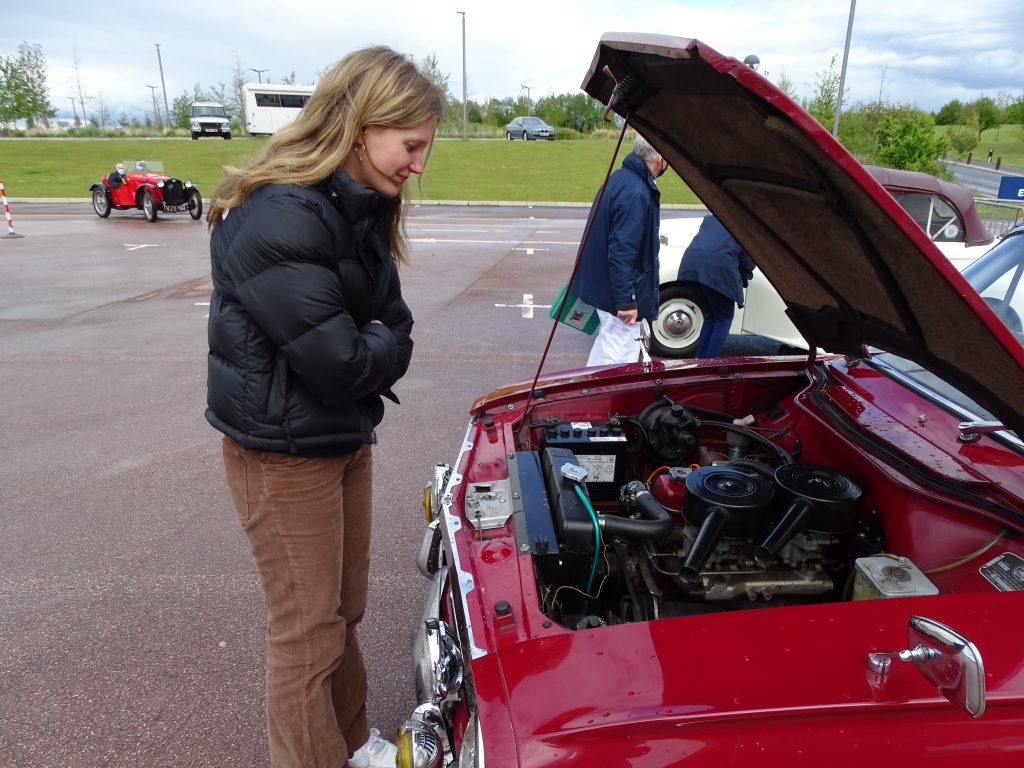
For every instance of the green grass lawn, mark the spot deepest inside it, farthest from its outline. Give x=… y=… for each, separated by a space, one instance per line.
x=534 y=171
x=477 y=170
x=1006 y=142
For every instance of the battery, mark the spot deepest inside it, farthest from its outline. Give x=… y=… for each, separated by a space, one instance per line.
x=600 y=448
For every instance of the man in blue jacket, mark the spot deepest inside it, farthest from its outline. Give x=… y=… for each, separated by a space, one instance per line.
x=618 y=272
x=716 y=269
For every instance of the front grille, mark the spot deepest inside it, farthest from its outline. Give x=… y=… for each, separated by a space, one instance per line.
x=174 y=192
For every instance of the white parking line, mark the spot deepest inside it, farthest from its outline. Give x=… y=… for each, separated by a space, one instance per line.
x=527 y=306
x=136 y=246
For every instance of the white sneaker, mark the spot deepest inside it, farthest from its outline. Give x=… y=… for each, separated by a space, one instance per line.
x=375 y=753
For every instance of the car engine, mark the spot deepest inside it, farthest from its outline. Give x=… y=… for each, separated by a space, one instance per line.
x=679 y=511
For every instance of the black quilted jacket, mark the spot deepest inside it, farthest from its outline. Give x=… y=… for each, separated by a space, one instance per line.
x=296 y=364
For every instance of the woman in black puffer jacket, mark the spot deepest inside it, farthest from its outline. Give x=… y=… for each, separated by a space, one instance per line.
x=308 y=331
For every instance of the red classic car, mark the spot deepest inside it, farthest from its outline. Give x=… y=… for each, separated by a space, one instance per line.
x=142 y=184
x=792 y=561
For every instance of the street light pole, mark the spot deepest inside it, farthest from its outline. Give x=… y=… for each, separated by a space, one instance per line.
x=529 y=104
x=156 y=110
x=465 y=103
x=842 y=71
x=259 y=73
x=167 y=110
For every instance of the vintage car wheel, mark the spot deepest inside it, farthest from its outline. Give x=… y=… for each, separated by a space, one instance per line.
x=149 y=206
x=101 y=203
x=195 y=204
x=676 y=330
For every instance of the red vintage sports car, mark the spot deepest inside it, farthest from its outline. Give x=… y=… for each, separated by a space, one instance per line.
x=143 y=185
x=790 y=561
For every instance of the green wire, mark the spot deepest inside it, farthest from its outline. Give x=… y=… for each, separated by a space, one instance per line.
x=597 y=534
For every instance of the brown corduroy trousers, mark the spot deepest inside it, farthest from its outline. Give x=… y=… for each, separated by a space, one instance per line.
x=308 y=523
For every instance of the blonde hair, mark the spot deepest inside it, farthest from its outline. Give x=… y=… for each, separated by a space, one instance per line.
x=371 y=86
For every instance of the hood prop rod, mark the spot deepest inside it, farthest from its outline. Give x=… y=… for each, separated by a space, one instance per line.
x=586 y=236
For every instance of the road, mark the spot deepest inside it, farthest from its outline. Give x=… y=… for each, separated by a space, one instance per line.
x=981 y=176
x=132 y=622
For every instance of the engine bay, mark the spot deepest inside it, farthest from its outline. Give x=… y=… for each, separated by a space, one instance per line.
x=680 y=509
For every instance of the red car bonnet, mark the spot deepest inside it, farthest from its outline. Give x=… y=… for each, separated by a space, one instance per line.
x=852 y=267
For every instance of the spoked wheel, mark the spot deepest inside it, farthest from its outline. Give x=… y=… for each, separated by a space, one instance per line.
x=149 y=206
x=195 y=204
x=101 y=203
x=677 y=327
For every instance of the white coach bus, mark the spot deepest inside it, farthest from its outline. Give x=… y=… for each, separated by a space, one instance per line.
x=270 y=106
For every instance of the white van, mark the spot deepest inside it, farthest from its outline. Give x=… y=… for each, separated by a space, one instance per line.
x=208 y=118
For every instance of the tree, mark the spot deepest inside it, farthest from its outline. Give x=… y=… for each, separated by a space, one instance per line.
x=499 y=111
x=23 y=91
x=785 y=85
x=570 y=110
x=822 y=105
x=76 y=65
x=962 y=139
x=951 y=113
x=288 y=79
x=181 y=110
x=987 y=113
x=1014 y=112
x=235 y=106
x=907 y=139
x=10 y=91
x=103 y=115
x=429 y=69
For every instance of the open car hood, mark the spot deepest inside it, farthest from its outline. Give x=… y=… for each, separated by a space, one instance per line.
x=852 y=267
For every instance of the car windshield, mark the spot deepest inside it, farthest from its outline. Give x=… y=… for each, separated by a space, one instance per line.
x=143 y=166
x=997 y=278
x=532 y=121
x=203 y=110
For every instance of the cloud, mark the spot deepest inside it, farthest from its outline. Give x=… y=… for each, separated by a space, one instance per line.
x=913 y=51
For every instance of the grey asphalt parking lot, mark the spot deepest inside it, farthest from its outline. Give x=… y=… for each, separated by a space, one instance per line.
x=131 y=622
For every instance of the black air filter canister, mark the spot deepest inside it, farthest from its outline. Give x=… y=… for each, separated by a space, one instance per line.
x=724 y=502
x=821 y=499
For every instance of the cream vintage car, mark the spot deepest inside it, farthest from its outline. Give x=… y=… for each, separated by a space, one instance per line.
x=944 y=210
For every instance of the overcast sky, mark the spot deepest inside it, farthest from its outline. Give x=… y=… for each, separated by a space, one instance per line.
x=923 y=52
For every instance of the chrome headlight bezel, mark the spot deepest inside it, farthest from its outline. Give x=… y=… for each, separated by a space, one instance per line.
x=421 y=740
x=440 y=667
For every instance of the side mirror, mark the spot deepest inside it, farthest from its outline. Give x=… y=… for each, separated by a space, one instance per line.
x=947 y=659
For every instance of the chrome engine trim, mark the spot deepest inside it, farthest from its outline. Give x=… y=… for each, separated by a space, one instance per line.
x=452 y=523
